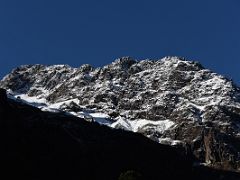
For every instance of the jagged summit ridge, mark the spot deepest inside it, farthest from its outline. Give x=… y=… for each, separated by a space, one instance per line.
x=170 y=100
x=125 y=81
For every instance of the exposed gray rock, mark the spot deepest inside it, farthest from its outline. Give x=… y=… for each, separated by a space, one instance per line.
x=203 y=106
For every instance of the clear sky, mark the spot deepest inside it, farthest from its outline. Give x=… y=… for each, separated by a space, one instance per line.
x=98 y=31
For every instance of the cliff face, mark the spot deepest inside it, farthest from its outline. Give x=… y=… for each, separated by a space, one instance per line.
x=171 y=101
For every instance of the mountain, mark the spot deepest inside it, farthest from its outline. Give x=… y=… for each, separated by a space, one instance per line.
x=38 y=145
x=44 y=145
x=171 y=101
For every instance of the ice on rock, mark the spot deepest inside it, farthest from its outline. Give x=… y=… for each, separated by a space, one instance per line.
x=158 y=98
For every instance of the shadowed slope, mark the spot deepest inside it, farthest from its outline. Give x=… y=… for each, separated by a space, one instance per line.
x=43 y=145
x=40 y=145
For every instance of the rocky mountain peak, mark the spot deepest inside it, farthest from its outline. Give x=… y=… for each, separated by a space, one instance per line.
x=171 y=100
x=85 y=68
x=124 y=62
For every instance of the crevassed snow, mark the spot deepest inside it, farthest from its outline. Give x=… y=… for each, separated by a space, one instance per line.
x=123 y=123
x=104 y=119
x=136 y=125
x=34 y=101
x=67 y=102
x=101 y=118
x=160 y=126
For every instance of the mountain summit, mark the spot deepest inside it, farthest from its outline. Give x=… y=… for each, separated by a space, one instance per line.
x=171 y=100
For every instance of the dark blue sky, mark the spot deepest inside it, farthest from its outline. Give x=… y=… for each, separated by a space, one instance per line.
x=98 y=31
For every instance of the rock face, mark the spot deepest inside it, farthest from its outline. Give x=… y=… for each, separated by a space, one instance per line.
x=171 y=100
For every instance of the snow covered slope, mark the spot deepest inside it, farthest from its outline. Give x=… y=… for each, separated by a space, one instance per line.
x=170 y=100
